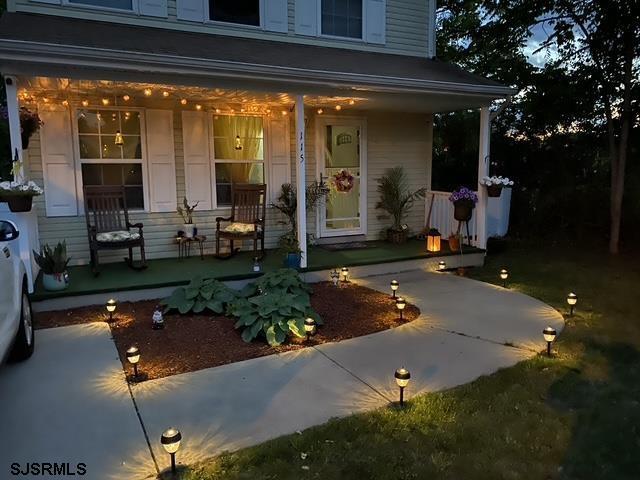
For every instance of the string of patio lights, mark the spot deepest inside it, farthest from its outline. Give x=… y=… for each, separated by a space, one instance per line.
x=123 y=100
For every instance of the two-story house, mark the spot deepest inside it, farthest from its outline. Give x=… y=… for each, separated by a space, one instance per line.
x=156 y=95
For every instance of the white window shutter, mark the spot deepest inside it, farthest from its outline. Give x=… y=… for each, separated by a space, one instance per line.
x=56 y=144
x=279 y=156
x=306 y=17
x=376 y=21
x=197 y=161
x=153 y=8
x=192 y=10
x=161 y=160
x=276 y=16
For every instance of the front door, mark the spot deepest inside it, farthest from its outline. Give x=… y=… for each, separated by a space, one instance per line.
x=343 y=169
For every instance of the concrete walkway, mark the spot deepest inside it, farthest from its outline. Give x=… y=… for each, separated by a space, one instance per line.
x=460 y=336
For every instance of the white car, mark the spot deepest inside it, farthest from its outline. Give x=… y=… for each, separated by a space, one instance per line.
x=16 y=327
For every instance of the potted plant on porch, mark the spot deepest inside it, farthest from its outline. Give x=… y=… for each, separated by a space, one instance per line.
x=396 y=199
x=464 y=201
x=53 y=263
x=495 y=185
x=19 y=195
x=186 y=212
x=287 y=204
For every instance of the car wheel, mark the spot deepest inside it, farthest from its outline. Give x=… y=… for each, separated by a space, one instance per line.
x=24 y=343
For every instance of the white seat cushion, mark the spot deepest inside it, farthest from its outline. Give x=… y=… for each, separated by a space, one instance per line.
x=117 y=236
x=238 y=227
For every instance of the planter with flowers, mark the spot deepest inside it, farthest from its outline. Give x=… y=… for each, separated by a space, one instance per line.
x=30 y=123
x=495 y=185
x=53 y=263
x=186 y=212
x=464 y=201
x=19 y=195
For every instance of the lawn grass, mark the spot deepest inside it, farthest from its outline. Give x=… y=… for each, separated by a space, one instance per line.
x=575 y=416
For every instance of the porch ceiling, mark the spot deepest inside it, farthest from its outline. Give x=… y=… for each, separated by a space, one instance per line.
x=38 y=45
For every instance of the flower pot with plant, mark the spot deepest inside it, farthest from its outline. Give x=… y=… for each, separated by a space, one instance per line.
x=290 y=247
x=30 y=123
x=19 y=195
x=53 y=264
x=186 y=212
x=464 y=201
x=495 y=185
x=396 y=199
x=454 y=242
x=287 y=204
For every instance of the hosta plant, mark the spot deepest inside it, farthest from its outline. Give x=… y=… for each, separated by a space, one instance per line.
x=275 y=306
x=201 y=294
x=286 y=280
x=276 y=314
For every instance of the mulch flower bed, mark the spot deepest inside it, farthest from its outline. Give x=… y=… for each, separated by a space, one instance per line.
x=193 y=342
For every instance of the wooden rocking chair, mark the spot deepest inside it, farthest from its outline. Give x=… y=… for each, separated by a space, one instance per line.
x=108 y=225
x=248 y=209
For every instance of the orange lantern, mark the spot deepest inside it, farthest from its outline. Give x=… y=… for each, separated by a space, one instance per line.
x=433 y=240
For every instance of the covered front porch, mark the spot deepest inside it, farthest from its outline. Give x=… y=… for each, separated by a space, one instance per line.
x=155 y=128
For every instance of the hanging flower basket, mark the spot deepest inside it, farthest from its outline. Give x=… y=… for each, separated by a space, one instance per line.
x=495 y=185
x=29 y=124
x=464 y=201
x=343 y=181
x=19 y=196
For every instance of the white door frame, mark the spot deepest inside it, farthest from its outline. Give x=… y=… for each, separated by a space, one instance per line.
x=321 y=121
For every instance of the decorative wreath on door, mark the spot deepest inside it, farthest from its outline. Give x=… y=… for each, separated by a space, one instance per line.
x=343 y=181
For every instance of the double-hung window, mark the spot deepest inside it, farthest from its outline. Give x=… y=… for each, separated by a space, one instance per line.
x=342 y=18
x=243 y=12
x=238 y=146
x=110 y=150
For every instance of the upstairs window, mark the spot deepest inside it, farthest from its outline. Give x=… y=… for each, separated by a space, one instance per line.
x=243 y=12
x=342 y=18
x=118 y=4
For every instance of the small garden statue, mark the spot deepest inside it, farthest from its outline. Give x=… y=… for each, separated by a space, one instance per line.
x=157 y=319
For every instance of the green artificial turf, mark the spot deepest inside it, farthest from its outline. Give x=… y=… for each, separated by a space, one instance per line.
x=575 y=416
x=118 y=276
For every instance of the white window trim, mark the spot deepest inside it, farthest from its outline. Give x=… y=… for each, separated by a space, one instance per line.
x=266 y=154
x=134 y=7
x=78 y=162
x=360 y=39
x=208 y=20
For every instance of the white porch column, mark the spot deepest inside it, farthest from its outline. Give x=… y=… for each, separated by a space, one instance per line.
x=483 y=170
x=13 y=112
x=301 y=182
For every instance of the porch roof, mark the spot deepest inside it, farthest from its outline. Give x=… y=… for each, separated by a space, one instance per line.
x=32 y=44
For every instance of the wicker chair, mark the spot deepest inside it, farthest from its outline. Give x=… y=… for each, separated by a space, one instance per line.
x=248 y=209
x=108 y=225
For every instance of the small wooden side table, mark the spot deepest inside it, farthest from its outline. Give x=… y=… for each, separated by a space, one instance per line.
x=184 y=245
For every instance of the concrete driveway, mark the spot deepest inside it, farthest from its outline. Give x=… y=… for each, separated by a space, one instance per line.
x=70 y=402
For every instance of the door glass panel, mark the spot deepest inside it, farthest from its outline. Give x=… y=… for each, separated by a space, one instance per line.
x=342 y=167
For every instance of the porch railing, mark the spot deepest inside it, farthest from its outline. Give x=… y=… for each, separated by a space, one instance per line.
x=442 y=215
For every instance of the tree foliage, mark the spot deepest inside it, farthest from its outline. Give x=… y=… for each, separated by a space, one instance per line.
x=567 y=135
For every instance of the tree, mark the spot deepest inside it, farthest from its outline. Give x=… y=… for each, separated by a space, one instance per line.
x=599 y=40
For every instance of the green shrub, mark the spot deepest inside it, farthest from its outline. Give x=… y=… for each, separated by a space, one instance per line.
x=200 y=294
x=276 y=314
x=275 y=306
x=286 y=280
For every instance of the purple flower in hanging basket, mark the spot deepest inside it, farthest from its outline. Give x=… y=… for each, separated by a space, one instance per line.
x=463 y=193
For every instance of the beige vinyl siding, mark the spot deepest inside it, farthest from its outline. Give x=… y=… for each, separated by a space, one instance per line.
x=159 y=228
x=392 y=139
x=406 y=26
